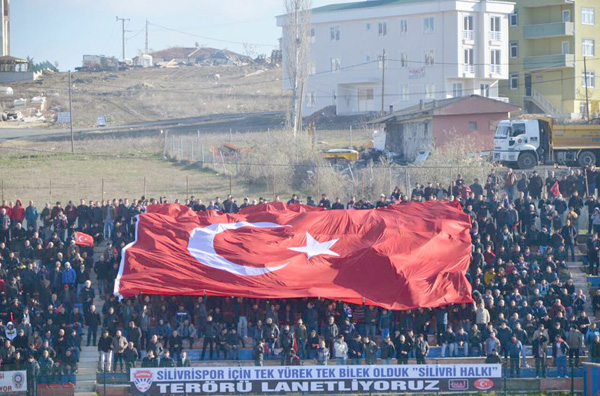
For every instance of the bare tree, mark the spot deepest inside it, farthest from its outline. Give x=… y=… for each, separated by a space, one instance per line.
x=250 y=50
x=296 y=47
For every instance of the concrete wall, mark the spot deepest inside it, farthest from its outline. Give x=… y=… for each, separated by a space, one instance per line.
x=408 y=138
x=8 y=77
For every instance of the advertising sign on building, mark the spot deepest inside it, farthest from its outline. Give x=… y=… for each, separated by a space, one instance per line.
x=13 y=381
x=416 y=73
x=316 y=379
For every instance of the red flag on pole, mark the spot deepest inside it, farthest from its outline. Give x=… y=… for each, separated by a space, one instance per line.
x=555 y=190
x=400 y=257
x=84 y=239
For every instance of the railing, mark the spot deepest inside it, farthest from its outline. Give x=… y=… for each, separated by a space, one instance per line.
x=496 y=69
x=544 y=104
x=468 y=34
x=468 y=68
x=495 y=35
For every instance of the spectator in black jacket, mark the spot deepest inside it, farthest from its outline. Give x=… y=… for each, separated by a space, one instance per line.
x=92 y=320
x=105 y=347
x=130 y=355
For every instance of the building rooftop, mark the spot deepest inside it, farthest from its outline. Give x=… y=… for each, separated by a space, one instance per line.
x=427 y=109
x=363 y=4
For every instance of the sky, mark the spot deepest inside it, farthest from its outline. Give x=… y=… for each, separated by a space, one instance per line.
x=64 y=30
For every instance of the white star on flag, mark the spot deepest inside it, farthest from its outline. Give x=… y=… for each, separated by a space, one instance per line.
x=315 y=248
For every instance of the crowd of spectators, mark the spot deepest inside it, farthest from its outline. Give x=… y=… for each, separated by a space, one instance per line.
x=524 y=231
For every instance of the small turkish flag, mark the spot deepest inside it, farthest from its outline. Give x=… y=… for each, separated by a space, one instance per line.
x=555 y=190
x=400 y=257
x=84 y=239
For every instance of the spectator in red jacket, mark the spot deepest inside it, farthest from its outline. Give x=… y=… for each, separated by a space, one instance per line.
x=17 y=214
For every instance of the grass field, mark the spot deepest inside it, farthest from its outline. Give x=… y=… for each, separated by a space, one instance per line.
x=129 y=167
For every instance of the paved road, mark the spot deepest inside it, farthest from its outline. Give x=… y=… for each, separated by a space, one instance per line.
x=218 y=123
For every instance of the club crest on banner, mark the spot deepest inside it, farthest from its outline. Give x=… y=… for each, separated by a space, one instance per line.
x=18 y=380
x=142 y=380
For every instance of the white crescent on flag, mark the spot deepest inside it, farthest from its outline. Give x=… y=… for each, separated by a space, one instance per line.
x=202 y=247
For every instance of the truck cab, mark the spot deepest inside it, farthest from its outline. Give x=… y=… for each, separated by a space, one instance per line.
x=522 y=143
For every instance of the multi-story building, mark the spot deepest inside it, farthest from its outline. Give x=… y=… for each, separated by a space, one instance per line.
x=549 y=40
x=434 y=49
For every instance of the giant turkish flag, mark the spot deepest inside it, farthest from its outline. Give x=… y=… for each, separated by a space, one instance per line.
x=401 y=257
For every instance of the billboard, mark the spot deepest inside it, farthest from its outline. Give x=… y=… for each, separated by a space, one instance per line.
x=316 y=379
x=591 y=379
x=13 y=381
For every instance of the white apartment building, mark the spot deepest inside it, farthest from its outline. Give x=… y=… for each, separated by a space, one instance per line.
x=434 y=49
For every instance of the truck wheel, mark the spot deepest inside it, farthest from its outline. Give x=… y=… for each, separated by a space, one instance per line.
x=527 y=161
x=587 y=158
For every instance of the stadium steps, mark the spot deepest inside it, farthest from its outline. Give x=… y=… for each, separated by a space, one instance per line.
x=578 y=273
x=88 y=359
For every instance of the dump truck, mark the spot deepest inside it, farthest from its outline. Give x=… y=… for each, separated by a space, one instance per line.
x=525 y=143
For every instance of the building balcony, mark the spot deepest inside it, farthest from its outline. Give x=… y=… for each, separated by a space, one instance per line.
x=495 y=35
x=468 y=68
x=544 y=3
x=547 y=30
x=495 y=69
x=468 y=35
x=556 y=61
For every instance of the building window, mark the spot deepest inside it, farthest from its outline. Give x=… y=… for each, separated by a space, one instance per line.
x=382 y=29
x=313 y=35
x=495 y=28
x=430 y=91
x=311 y=99
x=588 y=16
x=367 y=58
x=334 y=33
x=484 y=90
x=495 y=60
x=514 y=81
x=583 y=109
x=403 y=27
x=468 y=28
x=566 y=15
x=469 y=67
x=589 y=47
x=404 y=59
x=336 y=64
x=588 y=80
x=514 y=49
x=380 y=61
x=472 y=125
x=457 y=90
x=365 y=94
x=368 y=26
x=514 y=18
x=404 y=92
x=429 y=25
x=565 y=47
x=429 y=57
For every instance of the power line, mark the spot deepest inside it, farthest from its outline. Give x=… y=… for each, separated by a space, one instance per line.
x=212 y=38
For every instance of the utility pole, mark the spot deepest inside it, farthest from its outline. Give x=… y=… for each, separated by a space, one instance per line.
x=123 y=32
x=146 y=49
x=383 y=83
x=587 y=98
x=71 y=114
